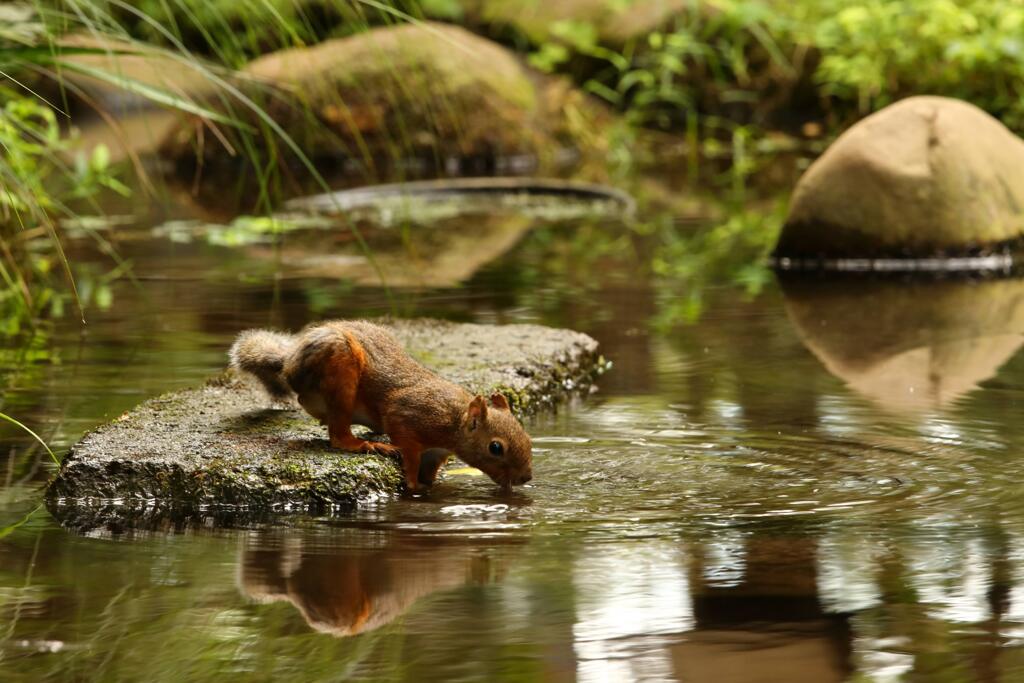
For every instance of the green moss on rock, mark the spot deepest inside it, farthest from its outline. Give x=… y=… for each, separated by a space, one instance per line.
x=424 y=90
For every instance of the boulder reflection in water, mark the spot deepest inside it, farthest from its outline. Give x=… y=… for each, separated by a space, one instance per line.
x=909 y=345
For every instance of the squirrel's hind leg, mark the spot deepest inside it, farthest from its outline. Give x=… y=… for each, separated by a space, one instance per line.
x=342 y=437
x=339 y=388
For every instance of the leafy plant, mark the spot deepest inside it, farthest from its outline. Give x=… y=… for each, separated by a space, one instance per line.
x=37 y=181
x=875 y=51
x=720 y=54
x=745 y=61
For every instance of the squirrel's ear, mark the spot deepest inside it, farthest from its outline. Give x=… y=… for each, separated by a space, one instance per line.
x=477 y=410
x=499 y=401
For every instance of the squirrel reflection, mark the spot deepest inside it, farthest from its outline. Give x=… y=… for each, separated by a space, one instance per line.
x=345 y=590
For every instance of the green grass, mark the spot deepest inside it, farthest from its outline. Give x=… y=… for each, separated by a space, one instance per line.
x=43 y=179
x=21 y=426
x=40 y=182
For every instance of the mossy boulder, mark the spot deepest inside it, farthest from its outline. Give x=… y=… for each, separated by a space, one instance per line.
x=224 y=446
x=927 y=176
x=429 y=91
x=613 y=23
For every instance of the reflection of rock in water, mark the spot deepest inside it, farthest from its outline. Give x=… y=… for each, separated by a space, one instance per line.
x=441 y=255
x=349 y=589
x=909 y=345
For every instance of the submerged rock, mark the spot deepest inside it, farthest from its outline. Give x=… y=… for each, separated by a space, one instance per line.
x=927 y=176
x=420 y=90
x=436 y=233
x=223 y=445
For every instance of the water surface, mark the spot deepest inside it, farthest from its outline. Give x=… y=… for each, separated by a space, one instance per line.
x=806 y=481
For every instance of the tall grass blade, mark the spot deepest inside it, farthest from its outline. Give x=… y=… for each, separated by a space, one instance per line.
x=152 y=93
x=8 y=418
x=11 y=528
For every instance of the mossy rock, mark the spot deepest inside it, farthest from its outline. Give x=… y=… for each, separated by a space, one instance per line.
x=927 y=176
x=613 y=23
x=224 y=446
x=415 y=91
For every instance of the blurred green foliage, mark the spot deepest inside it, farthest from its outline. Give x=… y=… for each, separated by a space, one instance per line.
x=760 y=61
x=730 y=251
x=36 y=180
x=876 y=51
x=43 y=176
x=29 y=136
x=232 y=32
x=720 y=71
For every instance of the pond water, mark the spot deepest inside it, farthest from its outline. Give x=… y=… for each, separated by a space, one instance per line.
x=814 y=480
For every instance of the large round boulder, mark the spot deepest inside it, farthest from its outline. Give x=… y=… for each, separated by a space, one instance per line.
x=427 y=90
x=927 y=176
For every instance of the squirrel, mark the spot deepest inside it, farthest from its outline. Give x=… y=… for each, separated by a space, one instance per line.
x=352 y=371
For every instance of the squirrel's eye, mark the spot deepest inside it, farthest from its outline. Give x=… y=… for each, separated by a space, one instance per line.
x=496 y=448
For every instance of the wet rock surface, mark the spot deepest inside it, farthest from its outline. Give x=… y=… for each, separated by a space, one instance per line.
x=925 y=177
x=223 y=447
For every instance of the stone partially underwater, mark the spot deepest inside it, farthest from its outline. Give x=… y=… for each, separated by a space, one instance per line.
x=221 y=450
x=926 y=184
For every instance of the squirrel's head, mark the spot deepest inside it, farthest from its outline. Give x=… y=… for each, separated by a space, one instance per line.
x=495 y=442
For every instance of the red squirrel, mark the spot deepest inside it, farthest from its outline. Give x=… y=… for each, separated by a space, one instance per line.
x=349 y=372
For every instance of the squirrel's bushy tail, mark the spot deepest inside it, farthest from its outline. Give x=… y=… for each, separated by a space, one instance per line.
x=262 y=353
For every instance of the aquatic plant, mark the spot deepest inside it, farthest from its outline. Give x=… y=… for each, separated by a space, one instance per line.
x=39 y=439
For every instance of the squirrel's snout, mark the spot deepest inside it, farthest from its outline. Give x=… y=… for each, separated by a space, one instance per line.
x=524 y=478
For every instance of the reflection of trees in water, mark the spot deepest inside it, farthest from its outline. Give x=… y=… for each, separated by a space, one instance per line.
x=926 y=597
x=935 y=596
x=737 y=609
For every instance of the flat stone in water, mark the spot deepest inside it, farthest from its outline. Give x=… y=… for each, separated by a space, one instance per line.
x=223 y=446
